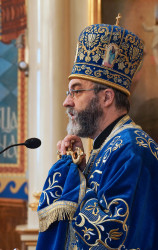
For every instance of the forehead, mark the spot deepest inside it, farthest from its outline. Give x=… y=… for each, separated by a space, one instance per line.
x=80 y=83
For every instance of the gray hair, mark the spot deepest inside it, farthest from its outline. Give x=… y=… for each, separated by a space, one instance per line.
x=121 y=99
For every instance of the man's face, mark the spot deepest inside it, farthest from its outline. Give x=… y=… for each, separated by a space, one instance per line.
x=84 y=109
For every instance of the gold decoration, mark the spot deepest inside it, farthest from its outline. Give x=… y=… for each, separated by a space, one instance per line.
x=77 y=155
x=34 y=204
x=118 y=19
x=143 y=140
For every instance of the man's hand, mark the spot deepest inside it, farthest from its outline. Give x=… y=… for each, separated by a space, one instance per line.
x=71 y=141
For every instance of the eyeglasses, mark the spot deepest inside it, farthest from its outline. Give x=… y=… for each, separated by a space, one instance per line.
x=74 y=92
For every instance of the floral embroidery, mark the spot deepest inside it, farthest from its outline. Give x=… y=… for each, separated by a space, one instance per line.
x=116 y=143
x=93 y=225
x=53 y=190
x=143 y=140
x=94 y=208
x=114 y=234
x=88 y=232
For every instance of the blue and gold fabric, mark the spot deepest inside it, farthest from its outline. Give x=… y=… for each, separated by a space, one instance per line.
x=108 y=54
x=119 y=208
x=63 y=191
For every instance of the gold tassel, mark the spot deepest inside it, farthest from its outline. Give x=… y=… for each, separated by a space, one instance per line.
x=60 y=213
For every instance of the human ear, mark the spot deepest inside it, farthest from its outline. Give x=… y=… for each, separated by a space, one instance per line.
x=108 y=97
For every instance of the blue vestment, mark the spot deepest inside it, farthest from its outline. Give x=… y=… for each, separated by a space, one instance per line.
x=63 y=191
x=119 y=208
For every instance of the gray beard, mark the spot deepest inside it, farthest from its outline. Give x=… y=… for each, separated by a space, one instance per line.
x=86 y=121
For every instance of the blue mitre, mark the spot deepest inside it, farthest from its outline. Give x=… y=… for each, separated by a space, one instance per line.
x=108 y=54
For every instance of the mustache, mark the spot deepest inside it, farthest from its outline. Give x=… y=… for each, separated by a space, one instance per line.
x=71 y=111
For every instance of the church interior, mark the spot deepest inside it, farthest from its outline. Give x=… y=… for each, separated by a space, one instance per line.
x=37 y=49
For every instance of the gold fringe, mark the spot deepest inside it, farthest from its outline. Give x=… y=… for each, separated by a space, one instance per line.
x=61 y=209
x=59 y=213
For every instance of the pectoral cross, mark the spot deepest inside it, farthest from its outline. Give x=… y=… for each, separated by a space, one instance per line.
x=118 y=19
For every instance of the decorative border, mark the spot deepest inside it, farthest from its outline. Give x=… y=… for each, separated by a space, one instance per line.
x=21 y=165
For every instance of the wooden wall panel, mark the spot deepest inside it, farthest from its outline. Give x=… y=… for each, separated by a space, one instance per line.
x=13 y=212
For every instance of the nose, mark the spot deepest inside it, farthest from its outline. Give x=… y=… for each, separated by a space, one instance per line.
x=69 y=102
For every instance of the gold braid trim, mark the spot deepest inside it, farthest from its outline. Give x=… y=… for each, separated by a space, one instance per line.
x=102 y=81
x=59 y=210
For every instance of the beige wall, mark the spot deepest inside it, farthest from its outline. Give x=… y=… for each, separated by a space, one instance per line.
x=79 y=20
x=53 y=29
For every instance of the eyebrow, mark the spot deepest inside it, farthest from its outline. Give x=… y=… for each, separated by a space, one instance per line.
x=77 y=84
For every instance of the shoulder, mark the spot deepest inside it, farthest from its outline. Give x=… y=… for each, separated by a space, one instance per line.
x=131 y=139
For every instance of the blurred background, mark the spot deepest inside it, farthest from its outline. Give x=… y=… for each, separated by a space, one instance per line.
x=37 y=49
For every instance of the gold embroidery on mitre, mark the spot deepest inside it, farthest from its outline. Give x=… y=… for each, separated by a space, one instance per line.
x=108 y=54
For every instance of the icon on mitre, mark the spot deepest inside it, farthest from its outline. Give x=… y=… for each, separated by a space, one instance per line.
x=110 y=55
